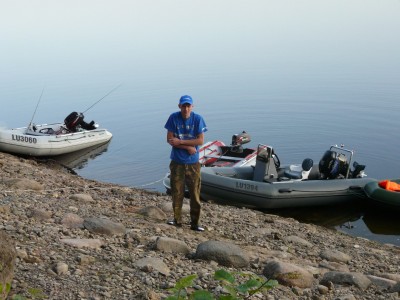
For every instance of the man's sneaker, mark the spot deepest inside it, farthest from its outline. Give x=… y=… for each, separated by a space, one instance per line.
x=196 y=227
x=174 y=223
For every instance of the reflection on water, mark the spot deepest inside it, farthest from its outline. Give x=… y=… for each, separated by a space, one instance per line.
x=381 y=221
x=383 y=224
x=341 y=215
x=79 y=159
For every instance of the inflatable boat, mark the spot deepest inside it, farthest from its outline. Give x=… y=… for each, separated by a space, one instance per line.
x=268 y=185
x=53 y=139
x=385 y=193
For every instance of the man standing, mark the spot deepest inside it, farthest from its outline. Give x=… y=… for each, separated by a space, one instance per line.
x=185 y=135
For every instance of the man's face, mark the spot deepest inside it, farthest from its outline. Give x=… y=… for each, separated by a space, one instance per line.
x=186 y=109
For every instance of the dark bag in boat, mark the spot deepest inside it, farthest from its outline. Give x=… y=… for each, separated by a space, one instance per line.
x=73 y=120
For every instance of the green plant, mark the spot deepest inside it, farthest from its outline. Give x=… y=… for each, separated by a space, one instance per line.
x=6 y=290
x=37 y=293
x=18 y=297
x=234 y=290
x=244 y=290
x=180 y=287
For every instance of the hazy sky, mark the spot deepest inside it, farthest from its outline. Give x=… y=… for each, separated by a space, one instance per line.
x=149 y=36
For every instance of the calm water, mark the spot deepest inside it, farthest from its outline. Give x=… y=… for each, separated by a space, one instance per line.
x=299 y=76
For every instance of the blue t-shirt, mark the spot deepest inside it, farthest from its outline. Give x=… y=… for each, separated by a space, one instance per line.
x=187 y=129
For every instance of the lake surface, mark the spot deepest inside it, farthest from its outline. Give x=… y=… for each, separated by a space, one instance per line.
x=300 y=76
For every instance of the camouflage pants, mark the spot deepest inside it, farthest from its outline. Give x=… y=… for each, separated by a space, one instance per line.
x=188 y=175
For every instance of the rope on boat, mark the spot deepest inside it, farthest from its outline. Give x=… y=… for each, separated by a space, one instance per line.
x=57 y=189
x=71 y=188
x=151 y=183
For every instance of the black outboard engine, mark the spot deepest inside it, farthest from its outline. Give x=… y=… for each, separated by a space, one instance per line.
x=340 y=167
x=74 y=121
x=238 y=140
x=327 y=164
x=333 y=165
x=358 y=171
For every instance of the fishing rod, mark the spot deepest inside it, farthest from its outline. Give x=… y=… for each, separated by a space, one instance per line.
x=103 y=97
x=34 y=113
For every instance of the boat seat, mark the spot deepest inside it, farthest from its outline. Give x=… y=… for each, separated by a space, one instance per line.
x=300 y=172
x=265 y=168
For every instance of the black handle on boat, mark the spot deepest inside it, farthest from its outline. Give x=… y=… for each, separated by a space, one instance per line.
x=285 y=190
x=355 y=187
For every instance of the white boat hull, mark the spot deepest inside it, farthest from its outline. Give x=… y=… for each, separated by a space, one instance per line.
x=33 y=143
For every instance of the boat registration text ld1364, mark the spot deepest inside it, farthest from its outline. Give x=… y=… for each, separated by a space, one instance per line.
x=246 y=186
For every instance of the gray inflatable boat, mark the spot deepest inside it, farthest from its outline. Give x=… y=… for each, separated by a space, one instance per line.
x=267 y=185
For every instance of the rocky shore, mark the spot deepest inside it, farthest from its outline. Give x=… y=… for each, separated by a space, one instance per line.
x=82 y=239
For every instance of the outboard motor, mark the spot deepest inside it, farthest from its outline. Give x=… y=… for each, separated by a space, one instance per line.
x=343 y=165
x=358 y=170
x=238 y=140
x=75 y=120
x=339 y=167
x=333 y=165
x=326 y=163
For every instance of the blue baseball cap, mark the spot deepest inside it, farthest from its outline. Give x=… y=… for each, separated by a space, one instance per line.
x=186 y=99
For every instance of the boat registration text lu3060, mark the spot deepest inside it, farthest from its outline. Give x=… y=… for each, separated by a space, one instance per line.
x=25 y=139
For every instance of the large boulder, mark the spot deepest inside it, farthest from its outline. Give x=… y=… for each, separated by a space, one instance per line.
x=335 y=256
x=71 y=220
x=24 y=184
x=167 y=244
x=288 y=274
x=224 y=253
x=150 y=264
x=153 y=212
x=8 y=255
x=82 y=198
x=104 y=226
x=347 y=278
